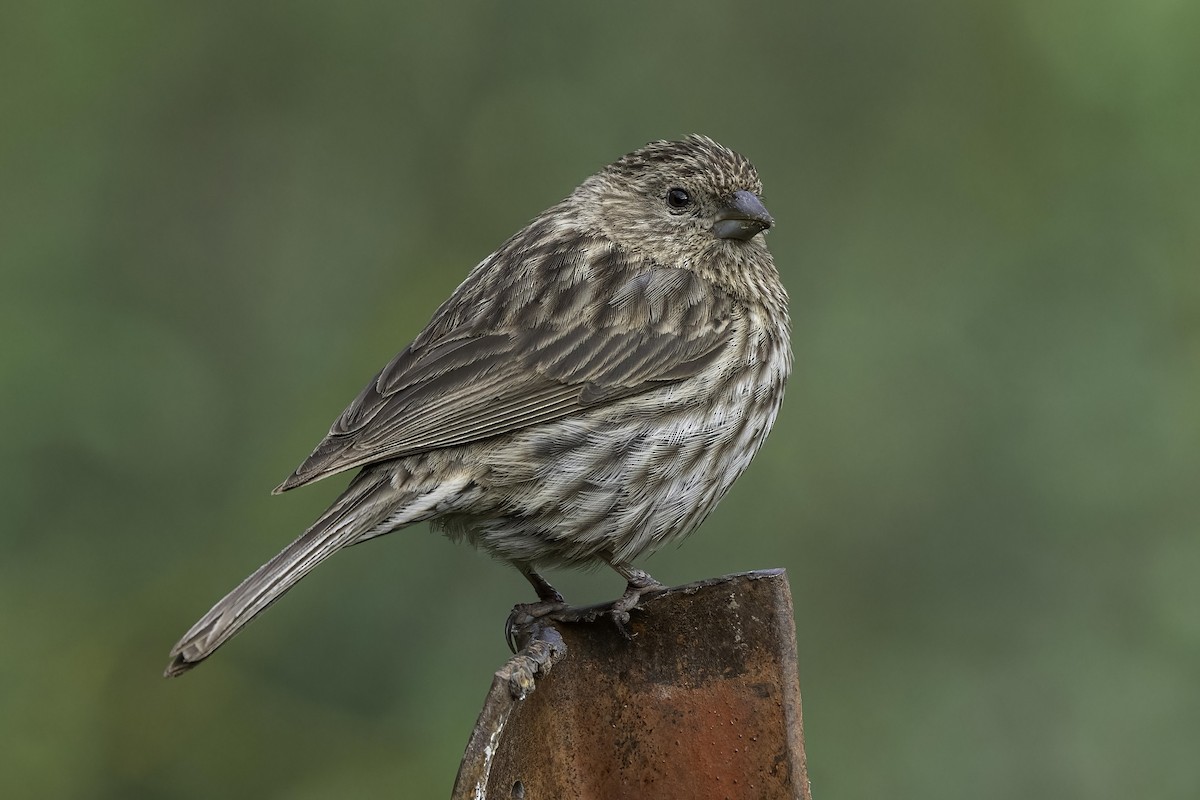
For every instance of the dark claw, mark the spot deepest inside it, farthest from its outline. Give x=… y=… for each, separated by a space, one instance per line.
x=510 y=629
x=621 y=620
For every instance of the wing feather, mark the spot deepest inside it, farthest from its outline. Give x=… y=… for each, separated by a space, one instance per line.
x=471 y=384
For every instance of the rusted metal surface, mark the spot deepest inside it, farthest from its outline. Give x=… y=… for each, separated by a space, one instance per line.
x=702 y=702
x=511 y=684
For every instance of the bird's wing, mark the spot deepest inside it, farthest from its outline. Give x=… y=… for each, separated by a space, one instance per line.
x=660 y=326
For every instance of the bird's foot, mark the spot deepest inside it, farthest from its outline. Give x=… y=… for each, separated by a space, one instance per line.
x=524 y=615
x=634 y=592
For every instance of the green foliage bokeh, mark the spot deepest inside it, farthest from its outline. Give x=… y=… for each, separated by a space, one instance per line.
x=218 y=220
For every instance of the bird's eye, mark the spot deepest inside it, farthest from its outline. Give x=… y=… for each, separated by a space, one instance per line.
x=678 y=198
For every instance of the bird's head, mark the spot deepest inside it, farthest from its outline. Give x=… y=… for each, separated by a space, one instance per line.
x=681 y=204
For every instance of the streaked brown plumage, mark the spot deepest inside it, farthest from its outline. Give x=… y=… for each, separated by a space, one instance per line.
x=588 y=394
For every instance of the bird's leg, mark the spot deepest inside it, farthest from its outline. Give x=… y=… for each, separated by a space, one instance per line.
x=523 y=614
x=545 y=592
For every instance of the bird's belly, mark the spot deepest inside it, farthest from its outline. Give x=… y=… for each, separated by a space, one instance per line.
x=621 y=481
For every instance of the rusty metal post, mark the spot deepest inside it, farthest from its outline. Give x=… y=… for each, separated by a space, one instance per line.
x=702 y=702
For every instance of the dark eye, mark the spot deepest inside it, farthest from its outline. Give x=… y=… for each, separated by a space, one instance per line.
x=678 y=198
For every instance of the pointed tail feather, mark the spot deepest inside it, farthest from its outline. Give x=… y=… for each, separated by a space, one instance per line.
x=369 y=503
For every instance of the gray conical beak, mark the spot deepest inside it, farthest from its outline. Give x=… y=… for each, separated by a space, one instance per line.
x=742 y=217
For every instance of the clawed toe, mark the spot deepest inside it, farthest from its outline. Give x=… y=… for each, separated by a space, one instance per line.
x=524 y=615
x=619 y=611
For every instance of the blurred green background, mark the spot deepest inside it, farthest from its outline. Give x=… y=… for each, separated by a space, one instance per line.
x=218 y=220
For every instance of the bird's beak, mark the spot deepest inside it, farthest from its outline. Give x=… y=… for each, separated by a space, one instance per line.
x=742 y=217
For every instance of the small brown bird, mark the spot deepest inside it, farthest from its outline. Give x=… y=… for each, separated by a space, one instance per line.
x=588 y=394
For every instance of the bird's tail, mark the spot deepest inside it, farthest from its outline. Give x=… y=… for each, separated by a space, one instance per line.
x=369 y=506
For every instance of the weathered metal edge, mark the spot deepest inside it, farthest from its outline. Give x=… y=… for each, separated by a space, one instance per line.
x=544 y=647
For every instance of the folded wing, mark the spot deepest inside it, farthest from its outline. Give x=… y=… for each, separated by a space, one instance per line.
x=467 y=385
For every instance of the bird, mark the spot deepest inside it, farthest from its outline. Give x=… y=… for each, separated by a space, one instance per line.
x=585 y=396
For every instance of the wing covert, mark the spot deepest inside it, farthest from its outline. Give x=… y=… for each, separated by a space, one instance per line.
x=661 y=326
